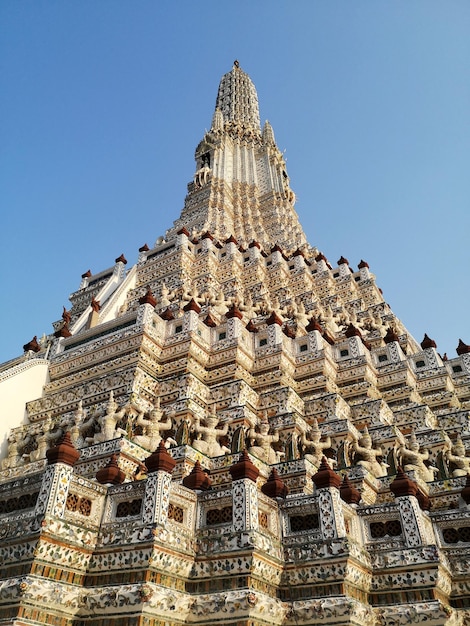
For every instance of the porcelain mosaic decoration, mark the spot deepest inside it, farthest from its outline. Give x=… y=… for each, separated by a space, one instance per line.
x=236 y=431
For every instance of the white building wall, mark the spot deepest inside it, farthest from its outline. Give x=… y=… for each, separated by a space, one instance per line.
x=18 y=385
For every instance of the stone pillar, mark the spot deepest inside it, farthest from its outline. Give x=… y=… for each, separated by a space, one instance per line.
x=364 y=271
x=160 y=465
x=191 y=316
x=343 y=266
x=276 y=255
x=330 y=509
x=405 y=491
x=146 y=314
x=234 y=322
x=182 y=238
x=254 y=249
x=275 y=334
x=299 y=260
x=52 y=497
x=245 y=494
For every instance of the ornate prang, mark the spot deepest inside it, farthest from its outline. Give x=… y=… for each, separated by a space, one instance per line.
x=402 y=485
x=313 y=325
x=462 y=348
x=167 y=314
x=244 y=468
x=111 y=473
x=253 y=347
x=192 y=306
x=428 y=343
x=391 y=336
x=197 y=480
x=326 y=477
x=64 y=452
x=274 y=319
x=160 y=460
x=234 y=311
x=348 y=491
x=148 y=298
x=32 y=346
x=275 y=487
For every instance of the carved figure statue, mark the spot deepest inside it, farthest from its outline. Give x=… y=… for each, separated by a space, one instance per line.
x=219 y=303
x=44 y=437
x=264 y=450
x=315 y=444
x=13 y=459
x=152 y=428
x=368 y=455
x=79 y=426
x=108 y=423
x=166 y=296
x=459 y=462
x=411 y=459
x=207 y=436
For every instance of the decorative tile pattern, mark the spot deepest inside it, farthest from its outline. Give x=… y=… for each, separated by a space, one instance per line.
x=233 y=314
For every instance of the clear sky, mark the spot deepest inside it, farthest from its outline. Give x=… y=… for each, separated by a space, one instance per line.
x=102 y=103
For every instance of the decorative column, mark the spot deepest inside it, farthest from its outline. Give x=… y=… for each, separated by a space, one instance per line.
x=406 y=492
x=191 y=315
x=234 y=322
x=327 y=483
x=274 y=324
x=147 y=307
x=276 y=255
x=245 y=494
x=52 y=497
x=160 y=466
x=315 y=332
x=364 y=270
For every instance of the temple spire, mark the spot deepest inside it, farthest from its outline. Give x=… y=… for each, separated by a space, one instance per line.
x=237 y=98
x=240 y=185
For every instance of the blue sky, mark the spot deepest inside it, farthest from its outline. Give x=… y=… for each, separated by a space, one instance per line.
x=102 y=104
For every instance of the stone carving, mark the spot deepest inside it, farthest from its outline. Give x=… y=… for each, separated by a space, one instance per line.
x=14 y=457
x=108 y=423
x=152 y=428
x=44 y=437
x=248 y=317
x=208 y=436
x=261 y=442
x=315 y=444
x=412 y=459
x=456 y=457
x=368 y=456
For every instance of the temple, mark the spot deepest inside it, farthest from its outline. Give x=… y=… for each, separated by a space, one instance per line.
x=234 y=430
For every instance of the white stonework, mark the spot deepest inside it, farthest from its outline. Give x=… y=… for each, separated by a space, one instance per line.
x=232 y=333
